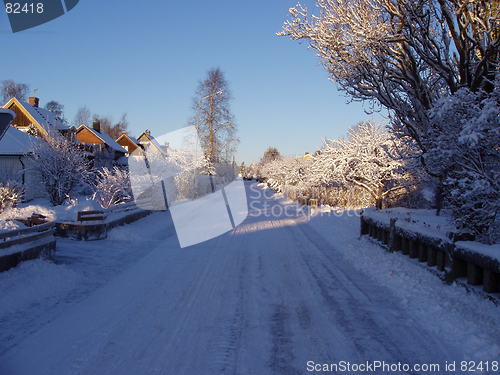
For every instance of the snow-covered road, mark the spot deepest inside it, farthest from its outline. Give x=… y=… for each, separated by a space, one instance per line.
x=279 y=291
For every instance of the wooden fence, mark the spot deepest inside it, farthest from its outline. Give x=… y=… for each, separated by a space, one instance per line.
x=441 y=253
x=27 y=243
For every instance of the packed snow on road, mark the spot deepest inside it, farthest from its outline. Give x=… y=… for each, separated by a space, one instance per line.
x=286 y=292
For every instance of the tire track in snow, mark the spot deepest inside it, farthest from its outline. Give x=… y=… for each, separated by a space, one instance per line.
x=368 y=312
x=282 y=354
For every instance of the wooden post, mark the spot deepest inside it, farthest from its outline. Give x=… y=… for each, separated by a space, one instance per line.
x=474 y=274
x=363 y=226
x=413 y=245
x=392 y=235
x=386 y=237
x=422 y=252
x=431 y=256
x=491 y=281
x=440 y=260
x=405 y=245
x=458 y=267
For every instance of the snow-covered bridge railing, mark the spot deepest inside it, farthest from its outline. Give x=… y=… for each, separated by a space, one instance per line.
x=27 y=243
x=479 y=263
x=94 y=225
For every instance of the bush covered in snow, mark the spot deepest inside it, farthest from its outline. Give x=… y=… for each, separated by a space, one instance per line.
x=111 y=187
x=62 y=166
x=11 y=193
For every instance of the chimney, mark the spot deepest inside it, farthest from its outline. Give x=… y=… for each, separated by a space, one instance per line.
x=33 y=100
x=96 y=124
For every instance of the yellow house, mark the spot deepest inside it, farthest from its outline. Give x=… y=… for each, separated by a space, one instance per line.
x=29 y=113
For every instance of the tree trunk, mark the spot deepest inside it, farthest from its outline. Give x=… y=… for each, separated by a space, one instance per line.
x=378 y=198
x=438 y=198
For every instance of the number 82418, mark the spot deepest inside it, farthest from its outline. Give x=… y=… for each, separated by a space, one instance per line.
x=19 y=8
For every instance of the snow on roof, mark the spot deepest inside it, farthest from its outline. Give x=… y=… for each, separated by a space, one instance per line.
x=133 y=139
x=154 y=142
x=16 y=142
x=104 y=137
x=5 y=110
x=46 y=119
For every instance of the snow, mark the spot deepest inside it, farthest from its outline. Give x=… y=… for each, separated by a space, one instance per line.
x=153 y=142
x=16 y=142
x=491 y=251
x=38 y=291
x=45 y=118
x=42 y=206
x=422 y=221
x=36 y=206
x=280 y=290
x=8 y=225
x=34 y=282
x=5 y=110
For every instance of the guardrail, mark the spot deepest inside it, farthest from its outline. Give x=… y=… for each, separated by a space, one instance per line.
x=442 y=253
x=27 y=243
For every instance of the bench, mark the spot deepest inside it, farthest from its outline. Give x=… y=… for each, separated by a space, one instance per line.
x=95 y=215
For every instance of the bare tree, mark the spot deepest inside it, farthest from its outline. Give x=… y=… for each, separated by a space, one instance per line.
x=56 y=108
x=270 y=154
x=82 y=116
x=113 y=130
x=11 y=89
x=213 y=118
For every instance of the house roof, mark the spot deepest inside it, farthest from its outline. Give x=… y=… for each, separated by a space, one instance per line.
x=15 y=142
x=151 y=141
x=103 y=137
x=5 y=110
x=132 y=139
x=45 y=119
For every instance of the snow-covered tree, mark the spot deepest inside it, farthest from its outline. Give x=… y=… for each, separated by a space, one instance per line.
x=463 y=147
x=111 y=187
x=61 y=164
x=405 y=54
x=366 y=158
x=284 y=173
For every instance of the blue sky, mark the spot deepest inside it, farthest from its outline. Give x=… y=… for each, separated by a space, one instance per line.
x=146 y=59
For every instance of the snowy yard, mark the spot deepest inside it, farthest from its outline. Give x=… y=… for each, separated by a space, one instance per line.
x=279 y=291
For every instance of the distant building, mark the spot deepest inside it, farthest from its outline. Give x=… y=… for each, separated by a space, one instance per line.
x=30 y=115
x=128 y=142
x=149 y=143
x=16 y=164
x=102 y=149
